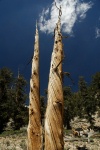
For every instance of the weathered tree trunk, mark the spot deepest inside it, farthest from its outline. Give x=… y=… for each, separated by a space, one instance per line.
x=54 y=112
x=34 y=127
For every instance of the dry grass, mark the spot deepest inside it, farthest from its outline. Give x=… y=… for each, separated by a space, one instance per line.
x=17 y=140
x=13 y=140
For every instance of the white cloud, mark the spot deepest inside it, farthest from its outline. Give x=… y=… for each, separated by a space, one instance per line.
x=97 y=32
x=72 y=10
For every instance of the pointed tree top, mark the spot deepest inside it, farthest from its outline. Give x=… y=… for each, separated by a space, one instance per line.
x=60 y=11
x=18 y=73
x=36 y=24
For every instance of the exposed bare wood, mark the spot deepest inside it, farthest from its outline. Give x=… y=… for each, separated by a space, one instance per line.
x=34 y=126
x=60 y=11
x=54 y=112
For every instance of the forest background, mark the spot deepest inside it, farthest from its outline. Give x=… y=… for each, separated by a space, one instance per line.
x=84 y=103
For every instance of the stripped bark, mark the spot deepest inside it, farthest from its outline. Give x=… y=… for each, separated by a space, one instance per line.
x=34 y=126
x=54 y=112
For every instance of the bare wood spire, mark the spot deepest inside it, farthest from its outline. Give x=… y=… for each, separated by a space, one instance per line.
x=34 y=126
x=18 y=73
x=36 y=25
x=54 y=112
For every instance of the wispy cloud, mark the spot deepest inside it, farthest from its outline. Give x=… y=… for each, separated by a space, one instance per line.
x=97 y=32
x=72 y=11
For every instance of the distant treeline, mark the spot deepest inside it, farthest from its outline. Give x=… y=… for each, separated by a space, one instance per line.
x=12 y=99
x=83 y=103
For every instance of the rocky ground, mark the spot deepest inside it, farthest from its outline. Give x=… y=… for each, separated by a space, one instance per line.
x=81 y=143
x=91 y=142
x=18 y=140
x=9 y=143
x=15 y=141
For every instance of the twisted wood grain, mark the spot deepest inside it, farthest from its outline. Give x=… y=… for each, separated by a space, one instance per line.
x=34 y=126
x=54 y=111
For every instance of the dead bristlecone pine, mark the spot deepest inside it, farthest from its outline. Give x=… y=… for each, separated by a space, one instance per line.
x=34 y=126
x=54 y=111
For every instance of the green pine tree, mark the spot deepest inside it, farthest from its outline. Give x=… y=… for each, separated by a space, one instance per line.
x=6 y=80
x=20 y=112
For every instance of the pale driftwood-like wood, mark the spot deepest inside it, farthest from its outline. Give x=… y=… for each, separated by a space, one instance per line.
x=34 y=126
x=54 y=112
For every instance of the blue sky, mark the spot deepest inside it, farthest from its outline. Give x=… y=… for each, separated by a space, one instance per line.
x=80 y=20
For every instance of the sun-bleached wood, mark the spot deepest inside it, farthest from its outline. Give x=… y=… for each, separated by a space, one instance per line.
x=34 y=127
x=54 y=111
